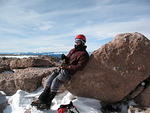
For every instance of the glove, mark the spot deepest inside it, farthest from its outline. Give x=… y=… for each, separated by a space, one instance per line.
x=63 y=56
x=65 y=67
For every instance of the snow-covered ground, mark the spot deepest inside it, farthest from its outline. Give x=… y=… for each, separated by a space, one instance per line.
x=20 y=56
x=20 y=103
x=21 y=100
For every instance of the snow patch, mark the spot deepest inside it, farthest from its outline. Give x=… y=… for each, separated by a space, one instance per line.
x=21 y=100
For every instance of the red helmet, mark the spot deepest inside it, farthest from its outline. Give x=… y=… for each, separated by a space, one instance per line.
x=81 y=37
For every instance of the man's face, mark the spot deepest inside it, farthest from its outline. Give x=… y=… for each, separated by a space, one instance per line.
x=78 y=42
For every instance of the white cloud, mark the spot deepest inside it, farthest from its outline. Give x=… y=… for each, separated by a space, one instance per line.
x=36 y=44
x=107 y=30
x=45 y=27
x=40 y=24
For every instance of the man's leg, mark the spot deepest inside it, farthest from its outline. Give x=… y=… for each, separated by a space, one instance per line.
x=43 y=98
x=51 y=77
x=62 y=77
x=46 y=93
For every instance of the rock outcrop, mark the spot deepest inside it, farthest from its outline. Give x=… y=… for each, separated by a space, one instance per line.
x=28 y=79
x=144 y=98
x=115 y=69
x=5 y=64
x=31 y=78
x=137 y=109
x=4 y=68
x=55 y=61
x=29 y=62
x=7 y=83
x=6 y=61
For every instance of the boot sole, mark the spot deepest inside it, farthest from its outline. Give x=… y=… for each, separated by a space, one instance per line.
x=39 y=107
x=34 y=104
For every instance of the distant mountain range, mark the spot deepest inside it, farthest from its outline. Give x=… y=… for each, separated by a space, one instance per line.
x=55 y=54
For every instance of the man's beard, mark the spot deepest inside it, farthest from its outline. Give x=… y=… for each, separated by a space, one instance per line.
x=79 y=47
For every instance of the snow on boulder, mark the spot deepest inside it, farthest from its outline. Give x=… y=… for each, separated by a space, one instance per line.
x=29 y=62
x=115 y=69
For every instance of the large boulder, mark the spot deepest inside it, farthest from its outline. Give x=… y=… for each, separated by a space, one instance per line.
x=31 y=78
x=28 y=79
x=54 y=60
x=7 y=83
x=49 y=58
x=115 y=69
x=29 y=62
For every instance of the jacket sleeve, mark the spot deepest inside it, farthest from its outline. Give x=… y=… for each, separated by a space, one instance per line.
x=68 y=56
x=83 y=59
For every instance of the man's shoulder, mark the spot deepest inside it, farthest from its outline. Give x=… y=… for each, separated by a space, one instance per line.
x=72 y=50
x=83 y=53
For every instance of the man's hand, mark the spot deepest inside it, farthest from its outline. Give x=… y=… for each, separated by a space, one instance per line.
x=63 y=56
x=64 y=67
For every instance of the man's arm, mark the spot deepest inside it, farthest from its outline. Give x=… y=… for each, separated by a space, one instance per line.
x=80 y=65
x=67 y=57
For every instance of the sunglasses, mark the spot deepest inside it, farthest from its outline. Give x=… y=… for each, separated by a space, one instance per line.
x=78 y=41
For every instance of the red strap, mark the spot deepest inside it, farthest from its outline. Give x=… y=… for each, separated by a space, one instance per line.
x=62 y=110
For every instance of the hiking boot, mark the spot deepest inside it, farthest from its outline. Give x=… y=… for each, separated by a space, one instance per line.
x=43 y=98
x=44 y=104
x=40 y=105
x=36 y=102
x=45 y=94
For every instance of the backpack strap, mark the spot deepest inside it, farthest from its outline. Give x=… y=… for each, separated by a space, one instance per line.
x=69 y=107
x=62 y=110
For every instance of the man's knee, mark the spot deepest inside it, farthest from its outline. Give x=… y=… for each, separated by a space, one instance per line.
x=52 y=77
x=56 y=84
x=64 y=76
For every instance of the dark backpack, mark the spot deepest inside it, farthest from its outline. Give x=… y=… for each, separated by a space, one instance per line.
x=69 y=108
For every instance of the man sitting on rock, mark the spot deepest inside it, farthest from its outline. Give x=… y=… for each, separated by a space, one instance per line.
x=74 y=61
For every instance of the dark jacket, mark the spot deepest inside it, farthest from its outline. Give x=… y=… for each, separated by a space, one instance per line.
x=76 y=59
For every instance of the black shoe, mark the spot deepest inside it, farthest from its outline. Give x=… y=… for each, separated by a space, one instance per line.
x=36 y=103
x=45 y=94
x=43 y=106
x=50 y=98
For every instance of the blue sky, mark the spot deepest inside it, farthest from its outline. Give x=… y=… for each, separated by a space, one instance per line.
x=51 y=25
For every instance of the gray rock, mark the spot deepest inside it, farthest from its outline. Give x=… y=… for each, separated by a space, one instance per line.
x=29 y=62
x=28 y=79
